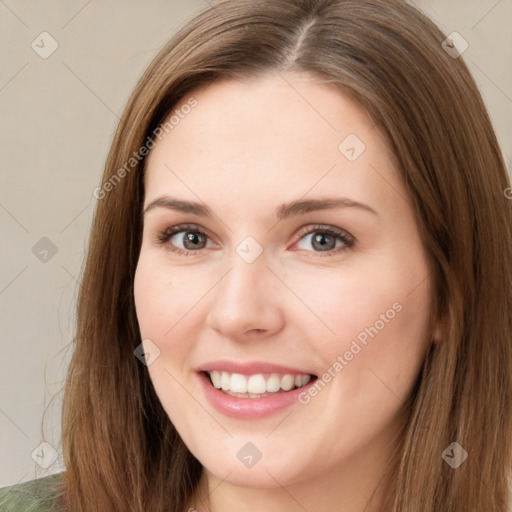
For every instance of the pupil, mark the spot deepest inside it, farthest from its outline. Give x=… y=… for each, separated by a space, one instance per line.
x=193 y=238
x=325 y=241
x=321 y=241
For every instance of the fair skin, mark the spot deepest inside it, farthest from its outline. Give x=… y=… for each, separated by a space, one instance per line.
x=247 y=148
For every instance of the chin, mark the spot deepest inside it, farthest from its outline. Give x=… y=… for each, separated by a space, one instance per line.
x=238 y=463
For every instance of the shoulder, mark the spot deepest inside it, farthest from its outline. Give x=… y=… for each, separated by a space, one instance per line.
x=33 y=496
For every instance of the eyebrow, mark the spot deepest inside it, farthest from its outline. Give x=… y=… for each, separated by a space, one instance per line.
x=284 y=211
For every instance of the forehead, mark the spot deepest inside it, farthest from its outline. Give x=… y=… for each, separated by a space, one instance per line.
x=275 y=110
x=277 y=137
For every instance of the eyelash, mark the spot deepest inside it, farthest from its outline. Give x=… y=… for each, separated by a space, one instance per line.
x=163 y=237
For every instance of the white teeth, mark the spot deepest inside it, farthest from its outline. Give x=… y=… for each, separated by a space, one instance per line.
x=255 y=385
x=216 y=379
x=305 y=379
x=273 y=383
x=287 y=382
x=238 y=383
x=243 y=395
x=224 y=381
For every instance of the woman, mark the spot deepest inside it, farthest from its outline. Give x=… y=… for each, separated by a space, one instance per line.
x=297 y=293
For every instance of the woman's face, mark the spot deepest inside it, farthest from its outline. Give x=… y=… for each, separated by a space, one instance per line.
x=302 y=258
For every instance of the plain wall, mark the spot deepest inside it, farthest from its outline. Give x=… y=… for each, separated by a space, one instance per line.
x=58 y=118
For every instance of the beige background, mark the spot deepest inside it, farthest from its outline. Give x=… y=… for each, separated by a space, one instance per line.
x=58 y=118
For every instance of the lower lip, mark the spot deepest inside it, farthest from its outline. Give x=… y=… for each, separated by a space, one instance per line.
x=249 y=408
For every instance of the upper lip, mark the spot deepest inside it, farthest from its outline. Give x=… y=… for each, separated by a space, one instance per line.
x=250 y=368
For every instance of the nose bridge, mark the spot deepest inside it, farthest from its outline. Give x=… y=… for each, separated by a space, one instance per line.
x=244 y=282
x=242 y=300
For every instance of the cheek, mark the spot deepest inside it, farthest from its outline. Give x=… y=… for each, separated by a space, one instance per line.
x=377 y=320
x=162 y=297
x=149 y=302
x=161 y=303
x=372 y=361
x=168 y=302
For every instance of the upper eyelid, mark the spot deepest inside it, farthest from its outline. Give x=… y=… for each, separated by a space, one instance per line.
x=327 y=227
x=196 y=227
x=300 y=233
x=178 y=228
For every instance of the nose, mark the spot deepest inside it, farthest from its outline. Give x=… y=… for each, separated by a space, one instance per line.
x=247 y=303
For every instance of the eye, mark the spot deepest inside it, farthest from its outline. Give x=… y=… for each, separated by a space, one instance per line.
x=184 y=239
x=188 y=239
x=326 y=239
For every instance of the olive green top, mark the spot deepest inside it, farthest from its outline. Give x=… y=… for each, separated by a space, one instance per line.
x=34 y=496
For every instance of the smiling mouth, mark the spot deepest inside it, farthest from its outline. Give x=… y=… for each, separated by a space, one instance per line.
x=258 y=385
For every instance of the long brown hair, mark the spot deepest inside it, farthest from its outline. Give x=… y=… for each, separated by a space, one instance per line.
x=121 y=451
